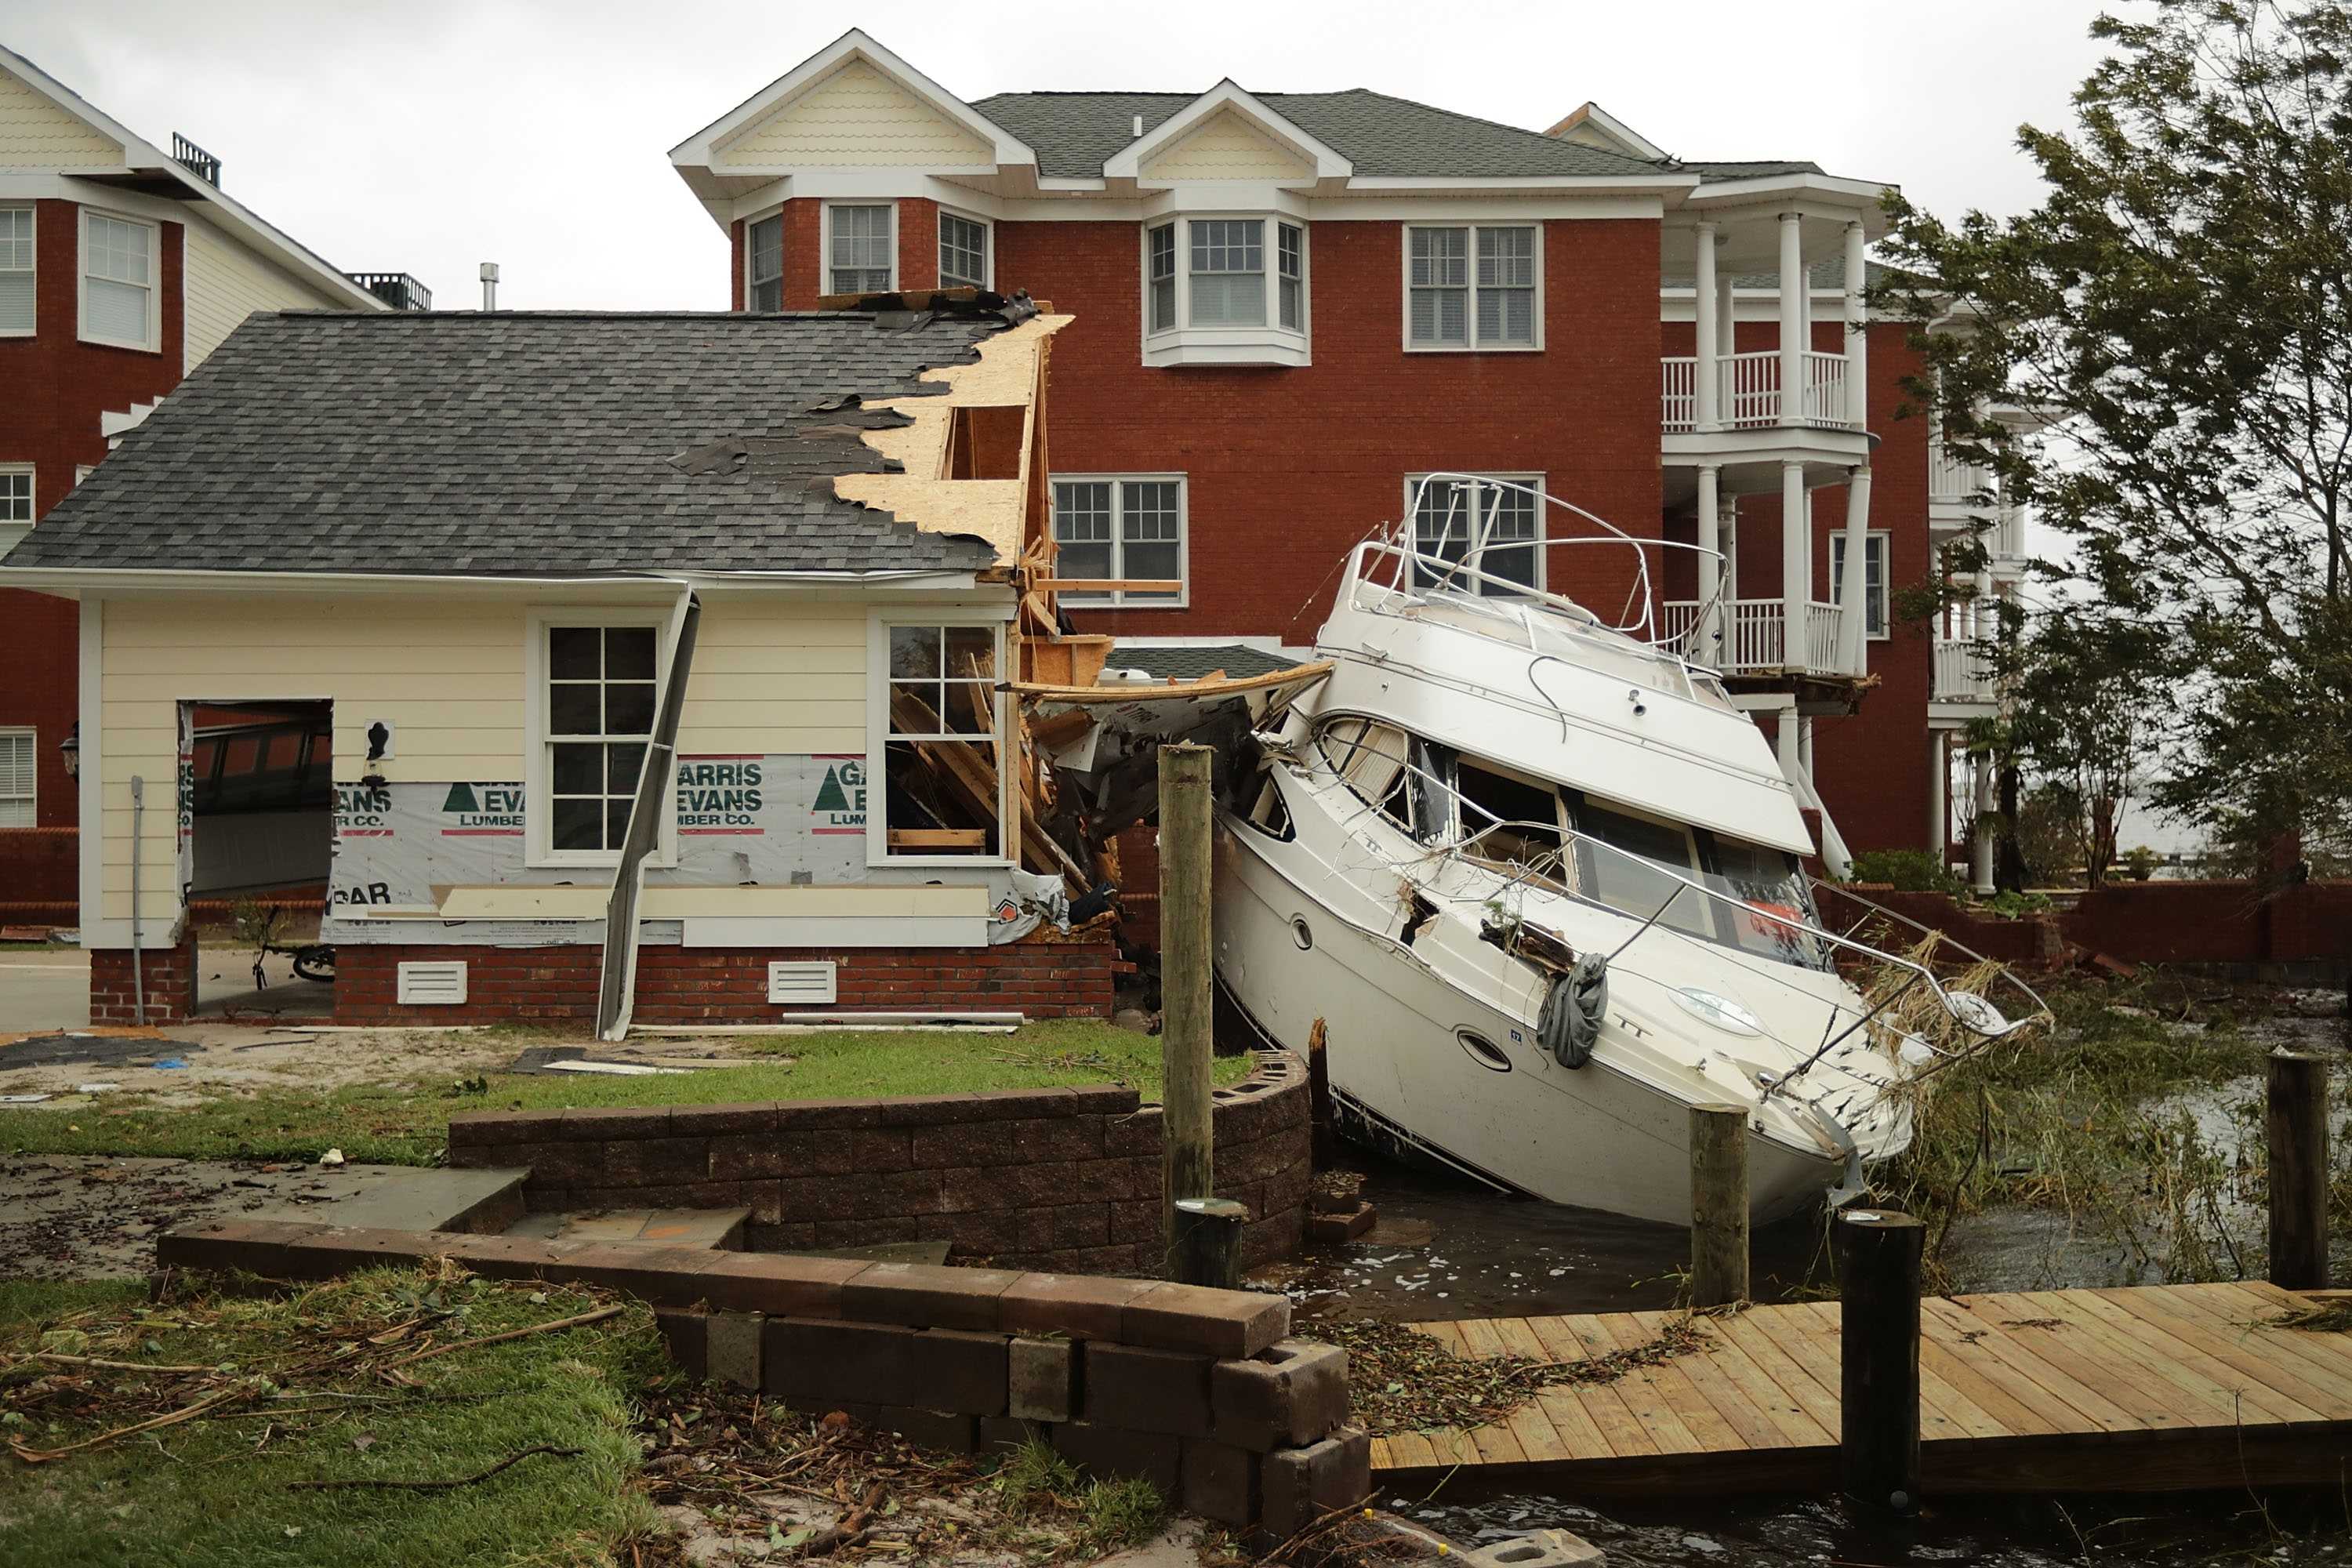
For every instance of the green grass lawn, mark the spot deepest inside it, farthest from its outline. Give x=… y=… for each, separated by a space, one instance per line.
x=309 y=1405
x=407 y=1122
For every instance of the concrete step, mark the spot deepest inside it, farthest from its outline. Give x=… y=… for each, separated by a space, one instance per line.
x=715 y=1230
x=402 y=1198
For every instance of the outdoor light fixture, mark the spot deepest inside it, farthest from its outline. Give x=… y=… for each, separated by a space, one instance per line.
x=70 y=750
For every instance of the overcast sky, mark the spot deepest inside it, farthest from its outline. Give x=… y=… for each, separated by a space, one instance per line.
x=426 y=137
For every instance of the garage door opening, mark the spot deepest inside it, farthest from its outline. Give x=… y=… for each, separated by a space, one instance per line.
x=257 y=821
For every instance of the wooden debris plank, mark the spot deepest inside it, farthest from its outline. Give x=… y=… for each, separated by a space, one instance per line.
x=1699 y=1417
x=2316 y=1387
x=2036 y=1380
x=1602 y=1405
x=1640 y=1397
x=2182 y=1351
x=1755 y=1427
x=2162 y=1391
x=1935 y=1419
x=1820 y=1404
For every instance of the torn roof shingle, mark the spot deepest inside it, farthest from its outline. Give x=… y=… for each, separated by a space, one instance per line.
x=1192 y=661
x=553 y=444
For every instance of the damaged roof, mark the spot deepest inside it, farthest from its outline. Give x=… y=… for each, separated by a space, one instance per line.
x=556 y=443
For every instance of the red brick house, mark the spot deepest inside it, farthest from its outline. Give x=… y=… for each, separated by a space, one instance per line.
x=1290 y=306
x=121 y=269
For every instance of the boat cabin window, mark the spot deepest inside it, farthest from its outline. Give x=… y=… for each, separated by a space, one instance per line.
x=1270 y=812
x=1511 y=819
x=1370 y=757
x=1772 y=884
x=1768 y=905
x=1636 y=864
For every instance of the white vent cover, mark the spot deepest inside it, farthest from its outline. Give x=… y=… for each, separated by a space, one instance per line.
x=804 y=982
x=438 y=985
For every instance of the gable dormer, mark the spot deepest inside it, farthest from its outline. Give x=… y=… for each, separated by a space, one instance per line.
x=1225 y=135
x=858 y=116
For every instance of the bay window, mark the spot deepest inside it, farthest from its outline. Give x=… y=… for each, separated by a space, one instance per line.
x=118 y=281
x=1225 y=290
x=860 y=249
x=1473 y=285
x=1119 y=528
x=963 y=252
x=764 y=265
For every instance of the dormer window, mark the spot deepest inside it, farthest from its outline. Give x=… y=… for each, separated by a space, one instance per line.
x=764 y=264
x=1224 y=289
x=861 y=248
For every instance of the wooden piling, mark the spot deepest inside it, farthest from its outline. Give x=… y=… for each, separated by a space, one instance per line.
x=1186 y=1042
x=2296 y=1125
x=1878 y=1252
x=1719 y=1171
x=1207 y=1244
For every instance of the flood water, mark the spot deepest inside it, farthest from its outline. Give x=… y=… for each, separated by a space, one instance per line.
x=1447 y=1248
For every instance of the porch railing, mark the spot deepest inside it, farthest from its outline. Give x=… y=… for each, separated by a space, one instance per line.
x=1961 y=673
x=1825 y=390
x=1749 y=392
x=1680 y=397
x=1754 y=634
x=1951 y=481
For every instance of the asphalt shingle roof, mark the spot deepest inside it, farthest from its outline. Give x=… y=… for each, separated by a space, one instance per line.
x=1075 y=133
x=554 y=444
x=1190 y=662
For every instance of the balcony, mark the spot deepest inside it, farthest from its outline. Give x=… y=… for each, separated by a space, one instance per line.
x=397 y=290
x=1754 y=635
x=1960 y=672
x=1747 y=391
x=1951 y=483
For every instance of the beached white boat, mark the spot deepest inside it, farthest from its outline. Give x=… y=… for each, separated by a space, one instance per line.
x=1535 y=881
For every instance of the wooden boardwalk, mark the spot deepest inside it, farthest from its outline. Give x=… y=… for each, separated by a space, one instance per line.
x=2149 y=1389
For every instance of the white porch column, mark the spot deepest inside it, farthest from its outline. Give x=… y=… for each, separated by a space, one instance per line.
x=1785 y=744
x=1980 y=852
x=1796 y=566
x=1854 y=623
x=1707 y=370
x=1726 y=342
x=1857 y=331
x=1706 y=644
x=1939 y=763
x=1795 y=320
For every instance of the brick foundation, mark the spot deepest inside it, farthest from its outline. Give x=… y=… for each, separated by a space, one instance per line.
x=701 y=986
x=1065 y=1179
x=169 y=974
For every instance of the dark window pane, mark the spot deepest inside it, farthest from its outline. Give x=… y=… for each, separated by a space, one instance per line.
x=629 y=709
x=969 y=708
x=571 y=653
x=971 y=650
x=571 y=709
x=578 y=824
x=626 y=762
x=914 y=650
x=580 y=770
x=616 y=822
x=1083 y=560
x=914 y=708
x=628 y=653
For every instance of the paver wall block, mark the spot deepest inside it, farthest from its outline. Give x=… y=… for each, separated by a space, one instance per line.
x=804 y=1115
x=607 y=1123
x=806 y=1360
x=942 y=1429
x=686 y=1335
x=1042 y=1377
x=738 y=1156
x=1230 y=1325
x=723 y=1120
x=955 y=1370
x=1113 y=1452
x=921 y=1296
x=1220 y=1482
x=1293 y=1394
x=1301 y=1485
x=881 y=1149
x=1147 y=1390
x=733 y=1354
x=1075 y=1305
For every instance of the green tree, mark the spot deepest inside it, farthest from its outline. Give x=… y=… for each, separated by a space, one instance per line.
x=2086 y=698
x=2183 y=297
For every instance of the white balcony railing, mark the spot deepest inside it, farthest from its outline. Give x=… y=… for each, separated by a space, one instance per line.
x=1748 y=392
x=1953 y=482
x=1959 y=673
x=1754 y=635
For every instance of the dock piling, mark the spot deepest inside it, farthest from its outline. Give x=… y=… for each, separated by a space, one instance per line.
x=1186 y=1029
x=1208 y=1242
x=2295 y=1126
x=1878 y=1254
x=1719 y=1170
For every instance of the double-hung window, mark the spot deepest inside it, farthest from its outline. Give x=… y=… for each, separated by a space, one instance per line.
x=963 y=252
x=937 y=729
x=1473 y=286
x=1228 y=263
x=861 y=254
x=764 y=265
x=1160 y=276
x=1118 y=528
x=1448 y=516
x=1225 y=291
x=1291 y=242
x=599 y=683
x=17 y=293
x=19 y=784
x=1874 y=579
x=118 y=281
x=15 y=504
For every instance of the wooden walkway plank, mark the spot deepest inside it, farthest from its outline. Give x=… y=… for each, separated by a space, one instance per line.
x=2016 y=1369
x=2166 y=1376
x=1936 y=1417
x=1755 y=1427
x=1602 y=1404
x=1706 y=1425
x=1756 y=1387
x=1820 y=1404
x=2181 y=1348
x=1541 y=1440
x=2310 y=1383
x=2235 y=1318
x=1640 y=1395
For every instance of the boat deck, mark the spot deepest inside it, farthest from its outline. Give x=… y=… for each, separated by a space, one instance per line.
x=2147 y=1389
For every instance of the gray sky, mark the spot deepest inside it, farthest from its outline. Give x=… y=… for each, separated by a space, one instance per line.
x=423 y=136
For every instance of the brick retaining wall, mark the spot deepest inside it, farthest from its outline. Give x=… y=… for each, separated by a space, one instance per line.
x=1202 y=1393
x=703 y=985
x=168 y=973
x=1059 y=1178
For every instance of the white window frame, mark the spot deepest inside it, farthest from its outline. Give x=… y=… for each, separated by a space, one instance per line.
x=1118 y=598
x=1470 y=303
x=153 y=343
x=33 y=215
x=825 y=244
x=538 y=814
x=1270 y=344
x=987 y=246
x=1533 y=481
x=12 y=529
x=31 y=797
x=1878 y=542
x=777 y=216
x=878 y=737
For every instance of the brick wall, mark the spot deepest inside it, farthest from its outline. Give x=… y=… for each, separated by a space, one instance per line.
x=40 y=872
x=2032 y=939
x=2234 y=923
x=1064 y=1179
x=703 y=985
x=169 y=974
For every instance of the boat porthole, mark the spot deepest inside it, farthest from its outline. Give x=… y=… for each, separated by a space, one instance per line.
x=1483 y=1051
x=1300 y=934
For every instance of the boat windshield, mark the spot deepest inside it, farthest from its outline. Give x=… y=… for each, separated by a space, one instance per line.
x=1767 y=901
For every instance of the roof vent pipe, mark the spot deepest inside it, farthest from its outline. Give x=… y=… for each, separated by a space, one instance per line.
x=1138 y=127
x=489 y=285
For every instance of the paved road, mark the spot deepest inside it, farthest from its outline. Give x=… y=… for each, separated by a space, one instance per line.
x=41 y=989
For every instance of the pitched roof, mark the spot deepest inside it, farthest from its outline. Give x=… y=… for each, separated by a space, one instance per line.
x=1075 y=133
x=1717 y=171
x=1192 y=661
x=555 y=444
